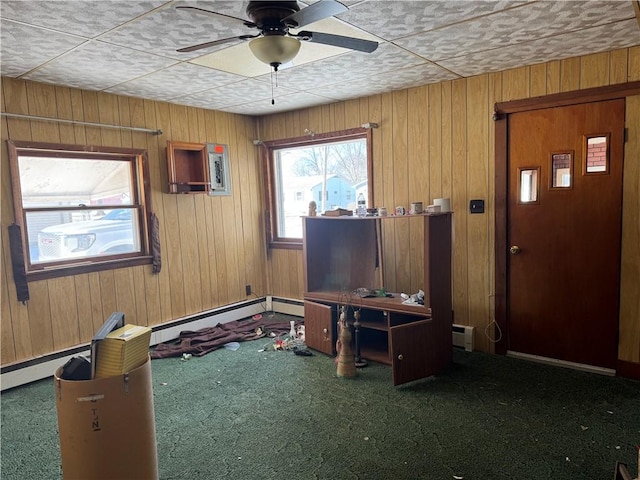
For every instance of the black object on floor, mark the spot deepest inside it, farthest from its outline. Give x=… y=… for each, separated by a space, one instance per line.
x=303 y=353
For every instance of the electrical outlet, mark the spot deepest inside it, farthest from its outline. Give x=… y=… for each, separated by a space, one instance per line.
x=247 y=290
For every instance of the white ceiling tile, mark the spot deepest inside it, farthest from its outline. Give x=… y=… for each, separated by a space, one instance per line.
x=170 y=83
x=42 y=45
x=522 y=24
x=168 y=29
x=88 y=18
x=593 y=40
x=282 y=104
x=397 y=19
x=386 y=82
x=346 y=67
x=96 y=66
x=234 y=94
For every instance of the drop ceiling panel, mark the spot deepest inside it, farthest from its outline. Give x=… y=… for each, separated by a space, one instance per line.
x=44 y=46
x=167 y=29
x=98 y=66
x=347 y=67
x=129 y=47
x=518 y=25
x=233 y=94
x=397 y=19
x=88 y=18
x=593 y=40
x=169 y=83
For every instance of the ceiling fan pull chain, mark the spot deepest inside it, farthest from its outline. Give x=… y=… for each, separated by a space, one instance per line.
x=273 y=102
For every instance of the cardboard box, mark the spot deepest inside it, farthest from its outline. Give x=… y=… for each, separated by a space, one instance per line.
x=106 y=426
x=122 y=350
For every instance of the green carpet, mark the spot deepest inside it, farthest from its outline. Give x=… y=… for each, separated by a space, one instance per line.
x=248 y=414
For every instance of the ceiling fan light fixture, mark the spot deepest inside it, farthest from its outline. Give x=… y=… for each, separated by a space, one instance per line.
x=274 y=50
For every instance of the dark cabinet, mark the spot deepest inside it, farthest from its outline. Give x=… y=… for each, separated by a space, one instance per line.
x=188 y=167
x=342 y=254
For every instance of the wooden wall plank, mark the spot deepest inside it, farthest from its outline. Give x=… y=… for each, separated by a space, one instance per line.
x=387 y=182
x=108 y=293
x=41 y=321
x=569 y=74
x=538 y=80
x=83 y=306
x=629 y=340
x=125 y=294
x=618 y=66
x=64 y=110
x=8 y=350
x=634 y=64
x=434 y=142
x=594 y=70
x=64 y=314
x=477 y=187
x=515 y=83
x=91 y=113
x=417 y=146
x=77 y=109
x=158 y=287
x=109 y=114
x=212 y=215
x=401 y=172
x=459 y=200
x=553 y=77
x=95 y=292
x=42 y=103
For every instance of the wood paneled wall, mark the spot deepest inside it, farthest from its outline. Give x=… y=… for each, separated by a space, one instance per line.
x=211 y=246
x=433 y=141
x=438 y=141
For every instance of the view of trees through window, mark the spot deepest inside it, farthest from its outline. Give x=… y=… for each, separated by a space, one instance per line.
x=331 y=174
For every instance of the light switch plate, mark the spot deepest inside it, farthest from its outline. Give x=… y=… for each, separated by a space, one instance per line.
x=476 y=206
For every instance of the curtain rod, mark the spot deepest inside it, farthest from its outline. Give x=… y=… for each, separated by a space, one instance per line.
x=78 y=122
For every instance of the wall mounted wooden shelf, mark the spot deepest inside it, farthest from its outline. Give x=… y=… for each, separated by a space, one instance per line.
x=188 y=167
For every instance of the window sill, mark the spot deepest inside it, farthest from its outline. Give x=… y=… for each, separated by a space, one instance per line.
x=286 y=245
x=66 y=271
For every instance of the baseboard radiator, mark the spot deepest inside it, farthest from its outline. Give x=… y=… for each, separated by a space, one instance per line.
x=463 y=337
x=43 y=367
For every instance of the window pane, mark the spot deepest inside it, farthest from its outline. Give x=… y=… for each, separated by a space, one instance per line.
x=51 y=182
x=332 y=174
x=561 y=166
x=529 y=185
x=64 y=234
x=597 y=154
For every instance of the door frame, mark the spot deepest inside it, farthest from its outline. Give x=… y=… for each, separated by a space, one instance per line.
x=502 y=110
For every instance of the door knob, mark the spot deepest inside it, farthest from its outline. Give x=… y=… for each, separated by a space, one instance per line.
x=515 y=250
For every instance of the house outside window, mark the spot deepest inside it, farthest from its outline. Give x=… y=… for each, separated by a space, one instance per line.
x=327 y=168
x=80 y=208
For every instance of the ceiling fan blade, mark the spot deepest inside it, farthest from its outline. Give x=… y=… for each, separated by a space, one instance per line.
x=352 y=43
x=222 y=41
x=202 y=10
x=314 y=12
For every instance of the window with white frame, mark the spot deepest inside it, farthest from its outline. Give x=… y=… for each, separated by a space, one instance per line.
x=80 y=208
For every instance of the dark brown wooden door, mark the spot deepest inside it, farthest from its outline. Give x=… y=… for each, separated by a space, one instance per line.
x=318 y=327
x=564 y=228
x=413 y=351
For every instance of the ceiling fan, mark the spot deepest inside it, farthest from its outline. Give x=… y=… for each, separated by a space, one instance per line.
x=274 y=44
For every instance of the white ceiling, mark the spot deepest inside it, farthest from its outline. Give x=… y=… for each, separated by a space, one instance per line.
x=129 y=47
